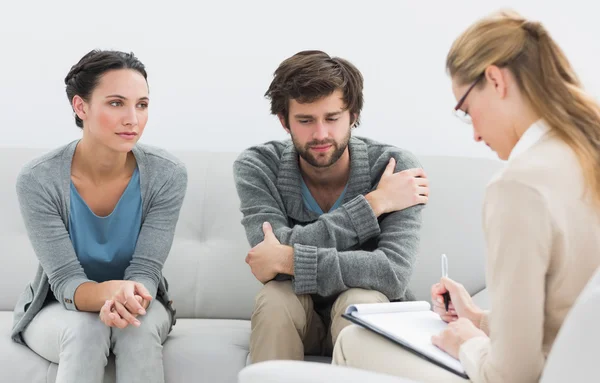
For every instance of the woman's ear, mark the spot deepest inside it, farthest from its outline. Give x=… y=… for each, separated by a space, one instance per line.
x=498 y=78
x=79 y=107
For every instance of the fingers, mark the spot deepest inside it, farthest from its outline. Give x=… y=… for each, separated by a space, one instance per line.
x=105 y=312
x=142 y=291
x=389 y=169
x=132 y=305
x=422 y=199
x=423 y=182
x=441 y=311
x=437 y=341
x=125 y=316
x=416 y=172
x=453 y=287
x=439 y=305
x=449 y=318
x=438 y=289
x=135 y=306
x=267 y=228
x=268 y=232
x=109 y=317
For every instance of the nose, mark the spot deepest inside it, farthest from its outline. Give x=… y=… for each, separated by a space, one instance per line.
x=320 y=132
x=130 y=118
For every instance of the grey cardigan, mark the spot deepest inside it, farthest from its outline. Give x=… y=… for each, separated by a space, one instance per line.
x=346 y=248
x=43 y=194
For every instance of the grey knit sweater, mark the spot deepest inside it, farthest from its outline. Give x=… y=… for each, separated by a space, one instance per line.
x=348 y=247
x=43 y=193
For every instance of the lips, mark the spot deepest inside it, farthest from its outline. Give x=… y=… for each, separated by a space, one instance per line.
x=127 y=135
x=320 y=148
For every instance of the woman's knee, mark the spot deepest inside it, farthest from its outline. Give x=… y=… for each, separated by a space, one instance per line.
x=152 y=331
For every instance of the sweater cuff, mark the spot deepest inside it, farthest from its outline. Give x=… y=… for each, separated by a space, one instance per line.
x=471 y=355
x=484 y=323
x=305 y=269
x=68 y=297
x=363 y=218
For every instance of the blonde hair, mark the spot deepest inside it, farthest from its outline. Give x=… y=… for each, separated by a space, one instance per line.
x=544 y=76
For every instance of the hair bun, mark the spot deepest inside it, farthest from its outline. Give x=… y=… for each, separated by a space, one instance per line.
x=75 y=70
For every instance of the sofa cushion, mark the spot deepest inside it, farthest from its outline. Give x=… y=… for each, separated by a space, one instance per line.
x=17 y=362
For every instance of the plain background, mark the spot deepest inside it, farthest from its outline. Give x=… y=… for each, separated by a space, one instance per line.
x=209 y=64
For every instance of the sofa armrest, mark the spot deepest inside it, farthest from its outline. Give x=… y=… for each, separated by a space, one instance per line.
x=285 y=371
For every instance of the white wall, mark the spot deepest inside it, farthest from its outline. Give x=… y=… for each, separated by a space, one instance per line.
x=210 y=63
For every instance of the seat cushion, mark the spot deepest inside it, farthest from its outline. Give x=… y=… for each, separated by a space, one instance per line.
x=17 y=362
x=206 y=350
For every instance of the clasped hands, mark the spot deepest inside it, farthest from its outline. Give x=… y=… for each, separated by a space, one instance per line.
x=129 y=300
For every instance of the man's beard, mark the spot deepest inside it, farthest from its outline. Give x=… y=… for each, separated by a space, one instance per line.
x=338 y=150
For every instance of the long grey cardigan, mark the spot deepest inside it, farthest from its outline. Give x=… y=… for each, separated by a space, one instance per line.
x=43 y=190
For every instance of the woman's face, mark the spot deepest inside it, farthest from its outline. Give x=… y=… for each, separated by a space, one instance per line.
x=117 y=111
x=491 y=111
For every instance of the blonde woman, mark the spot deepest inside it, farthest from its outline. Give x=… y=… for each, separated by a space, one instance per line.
x=541 y=214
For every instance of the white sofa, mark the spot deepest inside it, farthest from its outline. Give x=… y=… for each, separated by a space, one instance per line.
x=212 y=288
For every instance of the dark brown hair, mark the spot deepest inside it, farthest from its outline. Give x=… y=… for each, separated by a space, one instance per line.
x=84 y=76
x=310 y=75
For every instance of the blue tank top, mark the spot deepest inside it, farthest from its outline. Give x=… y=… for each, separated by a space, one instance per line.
x=105 y=245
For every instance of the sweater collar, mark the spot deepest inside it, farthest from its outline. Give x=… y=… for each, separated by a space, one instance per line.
x=289 y=179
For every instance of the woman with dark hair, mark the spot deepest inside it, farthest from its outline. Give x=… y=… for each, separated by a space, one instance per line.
x=101 y=214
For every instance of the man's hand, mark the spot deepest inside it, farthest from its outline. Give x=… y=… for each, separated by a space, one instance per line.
x=270 y=257
x=398 y=191
x=457 y=333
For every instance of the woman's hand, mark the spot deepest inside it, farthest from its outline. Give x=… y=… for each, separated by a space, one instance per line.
x=129 y=300
x=457 y=333
x=461 y=305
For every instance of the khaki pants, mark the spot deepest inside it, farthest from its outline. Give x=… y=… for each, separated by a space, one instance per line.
x=287 y=326
x=360 y=348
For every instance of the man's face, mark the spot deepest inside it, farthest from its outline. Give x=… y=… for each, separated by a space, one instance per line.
x=320 y=130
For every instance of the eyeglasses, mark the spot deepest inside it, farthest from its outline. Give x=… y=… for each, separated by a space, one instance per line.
x=458 y=112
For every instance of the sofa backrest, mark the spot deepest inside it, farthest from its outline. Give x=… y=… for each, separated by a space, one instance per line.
x=206 y=270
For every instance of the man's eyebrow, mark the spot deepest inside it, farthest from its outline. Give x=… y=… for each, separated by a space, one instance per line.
x=303 y=116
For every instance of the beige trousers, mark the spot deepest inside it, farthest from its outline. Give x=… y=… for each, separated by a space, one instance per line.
x=360 y=348
x=287 y=326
